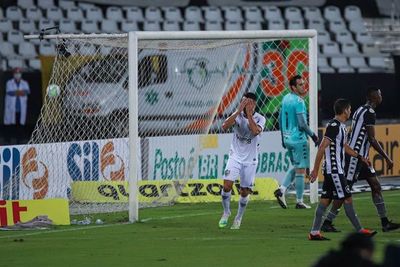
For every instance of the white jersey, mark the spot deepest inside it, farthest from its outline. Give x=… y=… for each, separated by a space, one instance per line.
x=244 y=147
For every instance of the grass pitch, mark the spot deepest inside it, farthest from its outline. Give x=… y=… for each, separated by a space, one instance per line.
x=188 y=235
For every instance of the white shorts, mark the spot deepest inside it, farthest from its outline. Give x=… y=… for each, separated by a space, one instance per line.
x=246 y=172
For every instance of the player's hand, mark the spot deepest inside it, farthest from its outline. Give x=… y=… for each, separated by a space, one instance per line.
x=389 y=163
x=366 y=161
x=313 y=176
x=249 y=108
x=315 y=140
x=243 y=104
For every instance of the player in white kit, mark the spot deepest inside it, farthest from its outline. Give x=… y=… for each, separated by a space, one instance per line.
x=243 y=156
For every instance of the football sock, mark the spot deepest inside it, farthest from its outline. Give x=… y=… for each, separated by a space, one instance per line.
x=288 y=180
x=380 y=205
x=332 y=214
x=226 y=201
x=299 y=187
x=319 y=213
x=242 y=207
x=351 y=214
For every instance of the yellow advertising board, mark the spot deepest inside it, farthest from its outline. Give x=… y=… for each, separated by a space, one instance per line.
x=190 y=191
x=13 y=211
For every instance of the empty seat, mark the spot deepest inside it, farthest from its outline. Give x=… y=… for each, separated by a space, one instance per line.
x=7 y=49
x=330 y=49
x=109 y=26
x=5 y=25
x=293 y=13
x=233 y=26
x=337 y=26
x=326 y=69
x=172 y=14
x=94 y=13
x=86 y=49
x=34 y=13
x=67 y=26
x=15 y=37
x=75 y=14
x=312 y=13
x=27 y=50
x=129 y=26
x=332 y=13
x=212 y=13
x=151 y=26
x=46 y=23
x=377 y=62
x=54 y=13
x=341 y=64
x=324 y=37
x=357 y=26
x=85 y=6
x=14 y=13
x=35 y=64
x=316 y=24
x=171 y=26
x=114 y=13
x=272 y=13
x=106 y=50
x=134 y=14
x=357 y=62
x=90 y=26
x=276 y=25
x=233 y=13
x=65 y=4
x=364 y=38
x=213 y=26
x=191 y=26
x=25 y=3
x=43 y=4
x=193 y=13
x=47 y=49
x=16 y=63
x=370 y=49
x=27 y=26
x=352 y=13
x=252 y=25
x=350 y=49
x=253 y=13
x=295 y=24
x=323 y=65
x=153 y=14
x=344 y=37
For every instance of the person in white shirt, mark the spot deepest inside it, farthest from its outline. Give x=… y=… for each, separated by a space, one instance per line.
x=243 y=156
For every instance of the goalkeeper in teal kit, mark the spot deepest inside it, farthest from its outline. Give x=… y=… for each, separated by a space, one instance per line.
x=295 y=132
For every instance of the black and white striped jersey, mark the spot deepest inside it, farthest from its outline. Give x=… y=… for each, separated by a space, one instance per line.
x=358 y=141
x=334 y=154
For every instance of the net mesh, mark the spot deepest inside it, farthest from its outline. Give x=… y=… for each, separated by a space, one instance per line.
x=186 y=89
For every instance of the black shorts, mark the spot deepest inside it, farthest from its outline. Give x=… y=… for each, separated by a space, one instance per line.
x=335 y=186
x=357 y=170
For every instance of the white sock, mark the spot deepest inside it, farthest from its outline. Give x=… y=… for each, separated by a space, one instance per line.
x=226 y=201
x=300 y=200
x=241 y=207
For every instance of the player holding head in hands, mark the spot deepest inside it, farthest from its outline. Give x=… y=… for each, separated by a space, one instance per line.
x=243 y=156
x=335 y=187
x=294 y=132
x=361 y=138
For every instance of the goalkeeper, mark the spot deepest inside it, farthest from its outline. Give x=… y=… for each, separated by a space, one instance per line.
x=243 y=156
x=294 y=132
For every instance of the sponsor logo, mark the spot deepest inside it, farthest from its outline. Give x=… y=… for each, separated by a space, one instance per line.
x=87 y=161
x=16 y=211
x=35 y=174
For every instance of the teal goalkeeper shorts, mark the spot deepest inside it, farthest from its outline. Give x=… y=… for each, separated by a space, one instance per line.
x=299 y=154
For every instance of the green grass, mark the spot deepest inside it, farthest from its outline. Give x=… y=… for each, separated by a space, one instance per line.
x=187 y=235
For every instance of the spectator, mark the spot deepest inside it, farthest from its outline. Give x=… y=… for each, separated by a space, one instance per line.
x=355 y=251
x=392 y=256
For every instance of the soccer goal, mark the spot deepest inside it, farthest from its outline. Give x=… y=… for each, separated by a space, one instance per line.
x=133 y=120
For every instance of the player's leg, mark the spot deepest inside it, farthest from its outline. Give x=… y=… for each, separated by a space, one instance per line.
x=301 y=153
x=377 y=199
x=247 y=175
x=289 y=178
x=328 y=226
x=231 y=173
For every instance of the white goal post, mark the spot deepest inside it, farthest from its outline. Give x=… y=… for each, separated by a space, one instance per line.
x=193 y=42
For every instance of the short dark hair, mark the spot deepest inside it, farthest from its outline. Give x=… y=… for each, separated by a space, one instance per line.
x=371 y=90
x=357 y=241
x=250 y=95
x=340 y=105
x=293 y=80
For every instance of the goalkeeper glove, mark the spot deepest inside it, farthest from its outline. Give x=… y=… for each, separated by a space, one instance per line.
x=315 y=140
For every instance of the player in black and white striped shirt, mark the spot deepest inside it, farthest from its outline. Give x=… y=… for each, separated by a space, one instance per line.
x=361 y=138
x=335 y=187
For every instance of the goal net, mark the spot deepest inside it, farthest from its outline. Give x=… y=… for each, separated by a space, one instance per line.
x=142 y=113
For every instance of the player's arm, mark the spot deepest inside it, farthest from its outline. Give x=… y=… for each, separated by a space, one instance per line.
x=349 y=151
x=301 y=122
x=375 y=144
x=230 y=121
x=254 y=127
x=281 y=128
x=318 y=158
